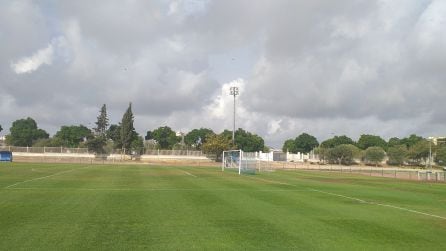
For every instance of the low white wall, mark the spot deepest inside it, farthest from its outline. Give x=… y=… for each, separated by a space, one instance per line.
x=59 y=155
x=156 y=157
x=302 y=157
x=173 y=157
x=290 y=157
x=265 y=156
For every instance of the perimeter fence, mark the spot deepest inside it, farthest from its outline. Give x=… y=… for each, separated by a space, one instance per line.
x=19 y=149
x=389 y=172
x=66 y=150
x=175 y=152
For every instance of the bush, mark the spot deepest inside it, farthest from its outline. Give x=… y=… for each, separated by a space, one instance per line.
x=343 y=154
x=374 y=155
x=419 y=152
x=397 y=155
x=440 y=157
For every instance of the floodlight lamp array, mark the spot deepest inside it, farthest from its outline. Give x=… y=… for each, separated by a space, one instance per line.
x=234 y=91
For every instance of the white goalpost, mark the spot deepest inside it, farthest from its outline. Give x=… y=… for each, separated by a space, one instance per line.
x=231 y=159
x=240 y=161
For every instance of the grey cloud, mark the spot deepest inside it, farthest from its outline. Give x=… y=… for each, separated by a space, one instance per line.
x=310 y=73
x=321 y=66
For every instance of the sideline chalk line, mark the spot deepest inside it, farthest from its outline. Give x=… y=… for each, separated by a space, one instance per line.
x=255 y=178
x=157 y=189
x=380 y=204
x=271 y=181
x=188 y=173
x=44 y=177
x=360 y=200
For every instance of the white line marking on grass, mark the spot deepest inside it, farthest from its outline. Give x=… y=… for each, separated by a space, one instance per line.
x=380 y=204
x=157 y=189
x=41 y=178
x=338 y=195
x=271 y=181
x=357 y=199
x=188 y=173
x=408 y=210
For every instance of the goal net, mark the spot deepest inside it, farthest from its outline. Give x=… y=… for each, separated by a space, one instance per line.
x=241 y=161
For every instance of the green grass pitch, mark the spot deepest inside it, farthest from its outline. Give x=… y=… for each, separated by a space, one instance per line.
x=140 y=207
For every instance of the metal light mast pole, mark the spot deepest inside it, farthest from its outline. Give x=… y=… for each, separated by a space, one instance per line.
x=430 y=153
x=234 y=92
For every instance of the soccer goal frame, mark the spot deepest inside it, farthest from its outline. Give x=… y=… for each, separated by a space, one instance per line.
x=236 y=159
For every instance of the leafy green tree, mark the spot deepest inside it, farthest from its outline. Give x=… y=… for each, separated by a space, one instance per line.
x=50 y=142
x=127 y=129
x=149 y=135
x=216 y=144
x=323 y=153
x=305 y=142
x=72 y=136
x=330 y=155
x=137 y=145
x=411 y=140
x=165 y=137
x=151 y=144
x=397 y=155
x=110 y=146
x=24 y=132
x=248 y=142
x=336 y=141
x=245 y=140
x=394 y=142
x=374 y=155
x=419 y=152
x=366 y=141
x=197 y=137
x=440 y=156
x=97 y=144
x=227 y=134
x=289 y=146
x=102 y=122
x=343 y=154
x=114 y=132
x=42 y=143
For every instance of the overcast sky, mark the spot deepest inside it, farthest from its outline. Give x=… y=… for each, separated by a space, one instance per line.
x=317 y=66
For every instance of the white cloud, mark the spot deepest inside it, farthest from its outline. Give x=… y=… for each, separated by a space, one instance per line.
x=222 y=106
x=173 y=8
x=274 y=126
x=32 y=63
x=186 y=7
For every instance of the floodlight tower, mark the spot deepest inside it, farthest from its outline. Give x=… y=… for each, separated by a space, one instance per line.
x=234 y=92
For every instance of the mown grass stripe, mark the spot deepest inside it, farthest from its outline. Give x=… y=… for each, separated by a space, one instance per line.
x=380 y=204
x=157 y=189
x=41 y=178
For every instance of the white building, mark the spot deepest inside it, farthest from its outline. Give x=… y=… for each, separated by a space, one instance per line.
x=438 y=140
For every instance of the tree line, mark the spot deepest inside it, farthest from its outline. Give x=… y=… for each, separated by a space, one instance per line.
x=106 y=138
x=369 y=149
x=100 y=139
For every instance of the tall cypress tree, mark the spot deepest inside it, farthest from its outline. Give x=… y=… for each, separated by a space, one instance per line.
x=102 y=123
x=127 y=129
